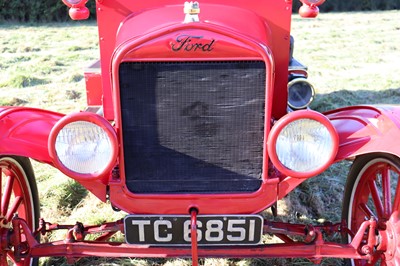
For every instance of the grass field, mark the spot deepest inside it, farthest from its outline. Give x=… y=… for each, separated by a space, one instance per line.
x=353 y=58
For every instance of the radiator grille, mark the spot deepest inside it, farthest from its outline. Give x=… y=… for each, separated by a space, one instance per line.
x=192 y=127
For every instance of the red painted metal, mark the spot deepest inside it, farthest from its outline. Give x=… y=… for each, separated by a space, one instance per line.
x=25 y=132
x=310 y=9
x=16 y=199
x=374 y=184
x=366 y=129
x=179 y=204
x=276 y=15
x=307 y=11
x=92 y=118
x=78 y=9
x=314 y=250
x=79 y=13
x=94 y=91
x=152 y=31
x=193 y=231
x=283 y=122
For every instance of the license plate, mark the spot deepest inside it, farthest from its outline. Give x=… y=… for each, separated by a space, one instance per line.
x=159 y=230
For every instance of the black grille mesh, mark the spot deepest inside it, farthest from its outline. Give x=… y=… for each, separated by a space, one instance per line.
x=192 y=127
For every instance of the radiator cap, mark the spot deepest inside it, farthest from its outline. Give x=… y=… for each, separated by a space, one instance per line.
x=192 y=11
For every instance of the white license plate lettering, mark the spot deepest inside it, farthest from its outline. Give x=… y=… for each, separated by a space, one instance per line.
x=161 y=231
x=187 y=236
x=176 y=230
x=236 y=230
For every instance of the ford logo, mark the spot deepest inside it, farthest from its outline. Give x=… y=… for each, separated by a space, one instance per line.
x=191 y=43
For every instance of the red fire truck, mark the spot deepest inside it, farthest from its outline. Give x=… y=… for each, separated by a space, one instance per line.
x=197 y=122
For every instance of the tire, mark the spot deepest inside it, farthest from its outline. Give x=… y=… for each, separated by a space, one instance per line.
x=18 y=172
x=372 y=190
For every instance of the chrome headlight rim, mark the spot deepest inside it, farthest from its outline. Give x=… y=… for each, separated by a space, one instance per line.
x=90 y=118
x=299 y=80
x=293 y=117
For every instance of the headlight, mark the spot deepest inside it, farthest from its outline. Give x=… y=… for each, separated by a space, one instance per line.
x=302 y=144
x=83 y=146
x=300 y=93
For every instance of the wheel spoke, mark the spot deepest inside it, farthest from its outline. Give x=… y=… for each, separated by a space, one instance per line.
x=7 y=194
x=366 y=210
x=375 y=198
x=386 y=193
x=374 y=191
x=17 y=202
x=16 y=198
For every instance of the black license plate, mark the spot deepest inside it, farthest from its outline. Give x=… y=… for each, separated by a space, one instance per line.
x=159 y=230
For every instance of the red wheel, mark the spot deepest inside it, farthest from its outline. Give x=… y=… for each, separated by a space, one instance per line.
x=19 y=196
x=373 y=190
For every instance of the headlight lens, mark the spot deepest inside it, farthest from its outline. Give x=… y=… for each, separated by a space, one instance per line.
x=300 y=93
x=83 y=146
x=302 y=144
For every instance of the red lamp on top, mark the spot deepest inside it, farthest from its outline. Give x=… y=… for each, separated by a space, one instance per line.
x=78 y=9
x=310 y=9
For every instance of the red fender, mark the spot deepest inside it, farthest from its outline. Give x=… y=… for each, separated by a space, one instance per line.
x=25 y=131
x=366 y=129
